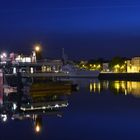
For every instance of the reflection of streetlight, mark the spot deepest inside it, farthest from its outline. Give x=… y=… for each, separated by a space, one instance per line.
x=37 y=123
x=37 y=128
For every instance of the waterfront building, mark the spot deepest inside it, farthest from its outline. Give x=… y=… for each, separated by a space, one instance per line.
x=133 y=65
x=105 y=67
x=29 y=64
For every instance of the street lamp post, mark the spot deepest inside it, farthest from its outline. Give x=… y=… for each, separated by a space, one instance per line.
x=38 y=52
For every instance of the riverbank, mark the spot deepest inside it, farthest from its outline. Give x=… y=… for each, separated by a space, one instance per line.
x=119 y=76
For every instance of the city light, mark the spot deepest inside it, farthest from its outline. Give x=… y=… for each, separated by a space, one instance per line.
x=4 y=117
x=3 y=55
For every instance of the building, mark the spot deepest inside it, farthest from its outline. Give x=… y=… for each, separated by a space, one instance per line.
x=105 y=67
x=133 y=65
x=14 y=63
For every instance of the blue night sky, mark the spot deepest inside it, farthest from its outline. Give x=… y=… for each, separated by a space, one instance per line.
x=85 y=28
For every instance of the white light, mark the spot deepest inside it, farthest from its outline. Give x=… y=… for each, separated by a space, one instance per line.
x=1 y=56
x=28 y=116
x=56 y=105
x=4 y=54
x=14 y=106
x=14 y=70
x=4 y=117
x=32 y=70
x=43 y=107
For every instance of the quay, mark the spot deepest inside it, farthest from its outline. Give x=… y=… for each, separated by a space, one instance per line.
x=119 y=76
x=56 y=75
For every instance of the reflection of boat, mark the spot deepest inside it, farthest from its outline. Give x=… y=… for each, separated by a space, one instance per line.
x=42 y=99
x=19 y=109
x=73 y=71
x=9 y=89
x=52 y=88
x=24 y=98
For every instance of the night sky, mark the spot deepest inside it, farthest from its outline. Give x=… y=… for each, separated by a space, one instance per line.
x=85 y=28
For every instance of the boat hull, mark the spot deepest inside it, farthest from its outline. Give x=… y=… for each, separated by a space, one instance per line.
x=84 y=74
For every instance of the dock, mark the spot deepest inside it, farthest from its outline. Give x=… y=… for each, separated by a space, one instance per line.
x=119 y=76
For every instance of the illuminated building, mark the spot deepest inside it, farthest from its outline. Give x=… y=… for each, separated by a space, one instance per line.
x=133 y=65
x=105 y=67
x=24 y=63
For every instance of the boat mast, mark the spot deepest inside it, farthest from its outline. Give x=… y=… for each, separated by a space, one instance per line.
x=64 y=57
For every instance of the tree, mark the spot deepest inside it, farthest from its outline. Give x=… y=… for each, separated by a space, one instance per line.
x=117 y=64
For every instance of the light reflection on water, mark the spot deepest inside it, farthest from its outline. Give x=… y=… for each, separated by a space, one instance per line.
x=41 y=99
x=108 y=115
x=125 y=87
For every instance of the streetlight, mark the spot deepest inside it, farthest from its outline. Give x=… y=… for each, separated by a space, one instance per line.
x=37 y=48
x=37 y=52
x=3 y=57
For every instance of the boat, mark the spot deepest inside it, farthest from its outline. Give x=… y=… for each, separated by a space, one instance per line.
x=73 y=71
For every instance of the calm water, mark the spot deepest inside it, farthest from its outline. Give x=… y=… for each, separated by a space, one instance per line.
x=99 y=110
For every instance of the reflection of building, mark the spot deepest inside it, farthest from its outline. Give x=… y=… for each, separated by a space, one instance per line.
x=34 y=101
x=97 y=86
x=134 y=88
x=125 y=87
x=133 y=65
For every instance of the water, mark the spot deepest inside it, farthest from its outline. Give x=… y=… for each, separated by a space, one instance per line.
x=99 y=110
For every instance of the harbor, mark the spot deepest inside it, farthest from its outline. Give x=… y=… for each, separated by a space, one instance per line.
x=70 y=70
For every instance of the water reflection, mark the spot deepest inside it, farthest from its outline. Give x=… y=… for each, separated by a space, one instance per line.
x=125 y=87
x=33 y=102
x=95 y=87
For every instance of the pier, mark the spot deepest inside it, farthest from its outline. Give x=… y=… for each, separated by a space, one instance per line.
x=119 y=76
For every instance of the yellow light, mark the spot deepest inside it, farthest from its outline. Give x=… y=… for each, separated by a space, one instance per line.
x=99 y=66
x=37 y=128
x=99 y=87
x=117 y=85
x=117 y=66
x=91 y=87
x=37 y=48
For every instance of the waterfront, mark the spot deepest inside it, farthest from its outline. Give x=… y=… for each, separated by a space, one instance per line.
x=99 y=110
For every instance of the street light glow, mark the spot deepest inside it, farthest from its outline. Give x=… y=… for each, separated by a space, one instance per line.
x=37 y=48
x=3 y=55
